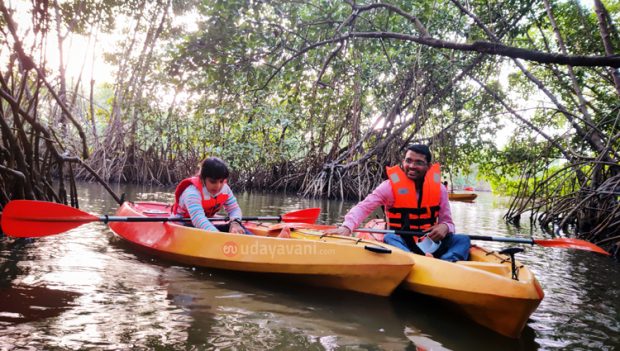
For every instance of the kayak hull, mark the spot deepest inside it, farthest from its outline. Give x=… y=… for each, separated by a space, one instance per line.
x=467 y=197
x=482 y=288
x=325 y=264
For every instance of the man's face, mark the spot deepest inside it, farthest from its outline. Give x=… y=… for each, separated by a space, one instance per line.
x=214 y=185
x=415 y=165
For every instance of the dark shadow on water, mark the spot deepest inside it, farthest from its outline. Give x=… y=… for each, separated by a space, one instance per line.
x=22 y=304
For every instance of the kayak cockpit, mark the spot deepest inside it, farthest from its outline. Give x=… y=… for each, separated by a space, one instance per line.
x=491 y=267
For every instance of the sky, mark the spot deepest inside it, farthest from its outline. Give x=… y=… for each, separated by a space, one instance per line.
x=78 y=51
x=82 y=55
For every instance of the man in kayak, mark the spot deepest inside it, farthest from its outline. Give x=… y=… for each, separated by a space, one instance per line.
x=415 y=200
x=203 y=195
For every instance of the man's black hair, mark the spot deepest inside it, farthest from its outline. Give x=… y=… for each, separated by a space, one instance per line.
x=214 y=168
x=421 y=149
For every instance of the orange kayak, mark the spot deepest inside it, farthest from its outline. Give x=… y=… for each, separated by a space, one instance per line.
x=483 y=288
x=360 y=268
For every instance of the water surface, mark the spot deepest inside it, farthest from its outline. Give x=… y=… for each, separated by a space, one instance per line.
x=86 y=289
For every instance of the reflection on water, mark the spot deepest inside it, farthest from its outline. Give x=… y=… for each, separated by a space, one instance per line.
x=86 y=289
x=240 y=314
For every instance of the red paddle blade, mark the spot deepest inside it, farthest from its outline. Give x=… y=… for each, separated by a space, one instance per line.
x=571 y=243
x=308 y=215
x=28 y=218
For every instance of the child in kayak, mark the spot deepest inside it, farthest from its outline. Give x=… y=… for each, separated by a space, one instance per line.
x=204 y=194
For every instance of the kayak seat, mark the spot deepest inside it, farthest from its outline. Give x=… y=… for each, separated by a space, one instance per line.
x=512 y=251
x=496 y=268
x=155 y=213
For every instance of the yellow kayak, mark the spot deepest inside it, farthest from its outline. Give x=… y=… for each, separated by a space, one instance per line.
x=483 y=287
x=360 y=268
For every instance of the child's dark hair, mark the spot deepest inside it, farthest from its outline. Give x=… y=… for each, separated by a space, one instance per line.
x=214 y=168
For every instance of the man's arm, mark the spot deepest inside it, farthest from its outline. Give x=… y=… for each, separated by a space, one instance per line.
x=445 y=214
x=382 y=195
x=444 y=224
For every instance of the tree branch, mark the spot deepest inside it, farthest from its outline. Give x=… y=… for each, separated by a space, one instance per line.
x=498 y=49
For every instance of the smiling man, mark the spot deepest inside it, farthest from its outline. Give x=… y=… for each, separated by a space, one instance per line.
x=415 y=200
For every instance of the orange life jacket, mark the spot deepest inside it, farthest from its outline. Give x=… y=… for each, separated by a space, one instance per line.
x=210 y=206
x=408 y=213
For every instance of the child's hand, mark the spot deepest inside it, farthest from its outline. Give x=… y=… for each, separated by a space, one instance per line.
x=236 y=228
x=285 y=232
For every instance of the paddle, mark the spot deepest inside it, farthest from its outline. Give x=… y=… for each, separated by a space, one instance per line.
x=29 y=218
x=565 y=243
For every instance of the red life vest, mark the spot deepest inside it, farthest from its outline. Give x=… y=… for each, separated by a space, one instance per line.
x=408 y=213
x=210 y=206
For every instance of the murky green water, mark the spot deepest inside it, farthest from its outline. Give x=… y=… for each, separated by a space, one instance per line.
x=85 y=289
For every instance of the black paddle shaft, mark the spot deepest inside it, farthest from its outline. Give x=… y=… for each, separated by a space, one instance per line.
x=472 y=237
x=504 y=240
x=106 y=219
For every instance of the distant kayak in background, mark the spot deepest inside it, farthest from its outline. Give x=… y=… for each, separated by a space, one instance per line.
x=468 y=188
x=467 y=197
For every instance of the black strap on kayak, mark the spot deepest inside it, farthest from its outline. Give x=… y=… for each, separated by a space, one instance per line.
x=377 y=249
x=511 y=251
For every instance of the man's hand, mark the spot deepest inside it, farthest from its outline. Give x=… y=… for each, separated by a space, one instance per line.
x=236 y=228
x=438 y=232
x=341 y=230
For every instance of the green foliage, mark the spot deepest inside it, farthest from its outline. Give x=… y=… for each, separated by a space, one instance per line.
x=81 y=16
x=247 y=89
